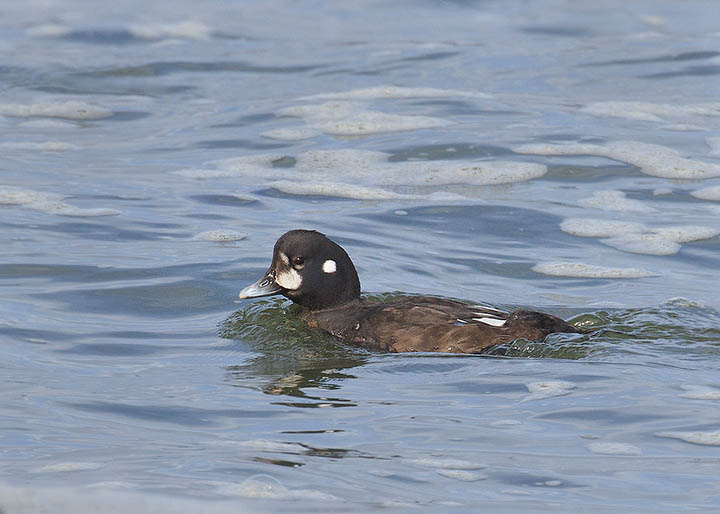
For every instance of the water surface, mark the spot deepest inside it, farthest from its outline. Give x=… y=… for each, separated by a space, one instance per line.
x=550 y=154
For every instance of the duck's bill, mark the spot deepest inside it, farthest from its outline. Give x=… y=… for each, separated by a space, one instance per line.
x=266 y=286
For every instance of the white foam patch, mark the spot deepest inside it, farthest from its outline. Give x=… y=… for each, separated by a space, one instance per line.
x=48 y=202
x=47 y=123
x=267 y=487
x=683 y=303
x=714 y=144
x=105 y=500
x=648 y=244
x=611 y=200
x=354 y=119
x=47 y=146
x=655 y=160
x=334 y=189
x=15 y=196
x=64 y=467
x=220 y=236
x=371 y=122
x=64 y=209
x=662 y=240
x=704 y=438
x=580 y=270
x=260 y=165
x=253 y=165
x=364 y=174
x=548 y=389
x=439 y=463
x=614 y=449
x=291 y=134
x=648 y=111
x=324 y=111
x=201 y=173
x=379 y=92
x=110 y=484
x=189 y=29
x=686 y=233
x=697 y=392
x=481 y=174
x=636 y=237
x=682 y=127
x=708 y=193
x=653 y=20
x=589 y=227
x=71 y=110
x=48 y=30
x=270 y=446
x=373 y=168
x=506 y=423
x=463 y=476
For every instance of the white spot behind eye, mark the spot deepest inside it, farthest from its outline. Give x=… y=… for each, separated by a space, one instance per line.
x=290 y=279
x=329 y=266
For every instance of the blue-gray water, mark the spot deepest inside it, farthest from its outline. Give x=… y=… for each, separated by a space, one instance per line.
x=554 y=154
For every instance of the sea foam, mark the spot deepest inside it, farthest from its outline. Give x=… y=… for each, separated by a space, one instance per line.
x=71 y=110
x=699 y=437
x=50 y=203
x=189 y=29
x=636 y=237
x=708 y=193
x=648 y=111
x=580 y=270
x=714 y=144
x=379 y=92
x=446 y=463
x=267 y=487
x=698 y=392
x=365 y=174
x=614 y=201
x=548 y=389
x=655 y=160
x=65 y=467
x=47 y=146
x=589 y=227
x=220 y=236
x=614 y=448
x=353 y=119
x=461 y=475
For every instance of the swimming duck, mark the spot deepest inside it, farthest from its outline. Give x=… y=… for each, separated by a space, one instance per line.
x=318 y=274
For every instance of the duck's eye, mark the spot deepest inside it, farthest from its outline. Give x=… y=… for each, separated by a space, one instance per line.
x=298 y=261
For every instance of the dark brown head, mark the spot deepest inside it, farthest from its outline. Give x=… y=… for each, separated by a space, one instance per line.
x=309 y=269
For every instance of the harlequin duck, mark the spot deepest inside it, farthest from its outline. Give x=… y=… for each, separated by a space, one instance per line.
x=318 y=274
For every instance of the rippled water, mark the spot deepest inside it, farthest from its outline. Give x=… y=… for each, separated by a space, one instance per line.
x=552 y=154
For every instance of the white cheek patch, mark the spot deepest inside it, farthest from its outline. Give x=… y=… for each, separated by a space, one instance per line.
x=329 y=266
x=289 y=279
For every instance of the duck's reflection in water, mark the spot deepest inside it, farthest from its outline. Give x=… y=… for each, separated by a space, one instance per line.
x=292 y=359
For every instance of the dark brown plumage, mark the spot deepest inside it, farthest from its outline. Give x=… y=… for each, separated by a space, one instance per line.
x=317 y=273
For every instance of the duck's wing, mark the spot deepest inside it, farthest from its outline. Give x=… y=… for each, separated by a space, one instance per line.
x=427 y=324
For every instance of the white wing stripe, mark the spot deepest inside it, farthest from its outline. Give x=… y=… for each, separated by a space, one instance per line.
x=495 y=322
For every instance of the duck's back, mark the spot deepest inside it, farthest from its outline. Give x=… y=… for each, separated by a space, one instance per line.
x=427 y=324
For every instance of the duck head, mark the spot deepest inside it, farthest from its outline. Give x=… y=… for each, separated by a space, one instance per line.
x=309 y=269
